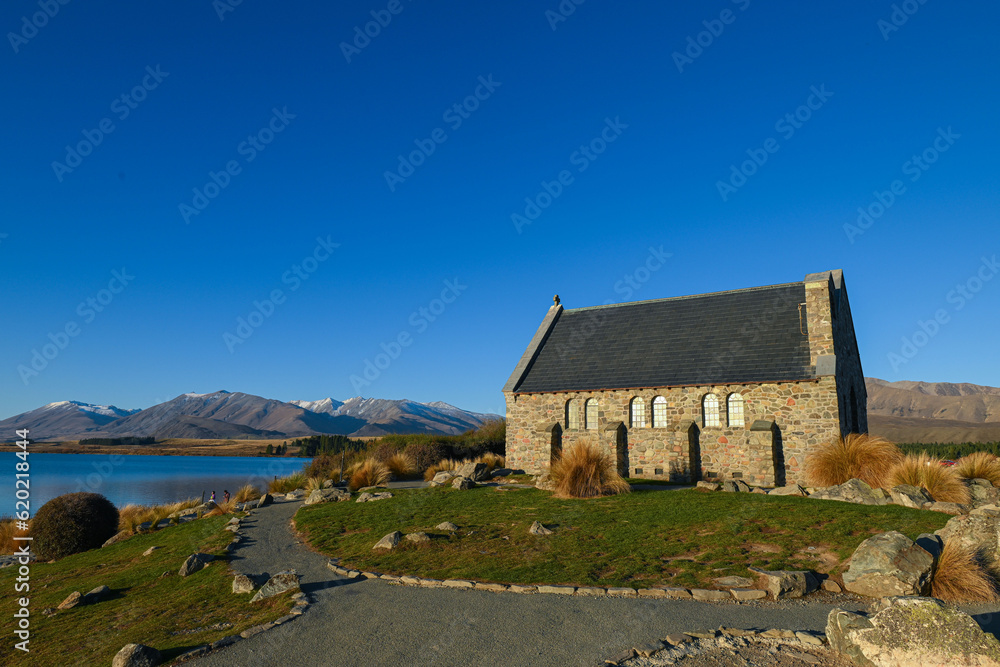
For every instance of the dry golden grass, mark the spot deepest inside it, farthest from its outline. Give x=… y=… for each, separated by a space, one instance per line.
x=942 y=483
x=960 y=577
x=585 y=472
x=314 y=483
x=246 y=493
x=223 y=508
x=858 y=456
x=370 y=473
x=8 y=530
x=982 y=465
x=440 y=466
x=287 y=484
x=400 y=465
x=492 y=461
x=132 y=516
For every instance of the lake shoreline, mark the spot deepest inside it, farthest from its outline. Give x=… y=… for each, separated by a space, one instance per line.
x=254 y=450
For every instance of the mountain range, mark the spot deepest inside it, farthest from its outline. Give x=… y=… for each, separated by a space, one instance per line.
x=909 y=411
x=227 y=415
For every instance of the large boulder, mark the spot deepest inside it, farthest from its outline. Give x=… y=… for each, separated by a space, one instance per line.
x=976 y=532
x=790 y=490
x=536 y=528
x=372 y=497
x=462 y=483
x=912 y=632
x=265 y=500
x=443 y=477
x=908 y=495
x=326 y=495
x=97 y=594
x=982 y=492
x=783 y=584
x=389 y=541
x=735 y=486
x=137 y=655
x=195 y=562
x=279 y=583
x=477 y=472
x=889 y=564
x=853 y=491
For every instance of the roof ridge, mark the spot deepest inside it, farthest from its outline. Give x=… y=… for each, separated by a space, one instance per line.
x=681 y=298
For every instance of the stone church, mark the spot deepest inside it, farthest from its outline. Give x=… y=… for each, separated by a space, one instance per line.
x=742 y=384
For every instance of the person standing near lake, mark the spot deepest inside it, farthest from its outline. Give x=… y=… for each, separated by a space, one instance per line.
x=225 y=496
x=212 y=499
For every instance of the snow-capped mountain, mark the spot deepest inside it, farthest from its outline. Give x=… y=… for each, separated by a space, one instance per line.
x=63 y=417
x=400 y=416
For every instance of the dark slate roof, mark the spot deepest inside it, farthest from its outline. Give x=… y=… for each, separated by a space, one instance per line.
x=741 y=336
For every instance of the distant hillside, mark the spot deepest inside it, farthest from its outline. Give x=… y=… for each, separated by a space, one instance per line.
x=401 y=416
x=908 y=411
x=64 y=417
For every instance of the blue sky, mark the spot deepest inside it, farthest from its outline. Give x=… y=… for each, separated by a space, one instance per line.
x=252 y=141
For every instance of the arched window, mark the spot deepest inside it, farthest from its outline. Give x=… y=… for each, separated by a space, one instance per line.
x=638 y=413
x=734 y=413
x=659 y=412
x=710 y=410
x=572 y=414
x=590 y=418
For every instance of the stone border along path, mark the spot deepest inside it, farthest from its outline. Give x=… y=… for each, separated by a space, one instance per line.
x=359 y=621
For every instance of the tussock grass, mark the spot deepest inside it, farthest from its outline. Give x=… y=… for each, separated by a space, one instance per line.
x=942 y=483
x=8 y=530
x=981 y=465
x=586 y=472
x=222 y=508
x=857 y=456
x=132 y=516
x=400 y=465
x=246 y=493
x=370 y=473
x=440 y=466
x=287 y=484
x=960 y=577
x=492 y=461
x=314 y=483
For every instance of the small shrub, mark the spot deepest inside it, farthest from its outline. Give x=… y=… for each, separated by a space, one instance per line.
x=223 y=508
x=857 y=456
x=287 y=484
x=400 y=466
x=440 y=466
x=941 y=482
x=246 y=493
x=960 y=577
x=982 y=465
x=369 y=473
x=324 y=466
x=72 y=523
x=386 y=449
x=426 y=454
x=585 y=472
x=314 y=483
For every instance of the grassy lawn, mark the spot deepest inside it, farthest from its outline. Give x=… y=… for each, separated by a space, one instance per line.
x=642 y=539
x=142 y=607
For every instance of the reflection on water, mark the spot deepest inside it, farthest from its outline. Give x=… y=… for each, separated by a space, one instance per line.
x=145 y=480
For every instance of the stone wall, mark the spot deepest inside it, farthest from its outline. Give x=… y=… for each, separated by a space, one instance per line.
x=806 y=414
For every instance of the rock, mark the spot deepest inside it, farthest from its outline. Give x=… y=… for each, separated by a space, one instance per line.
x=462 y=483
x=932 y=544
x=537 y=528
x=194 y=563
x=790 y=490
x=831 y=586
x=117 y=537
x=735 y=486
x=782 y=584
x=71 y=601
x=243 y=584
x=747 y=593
x=759 y=490
x=477 y=472
x=908 y=495
x=444 y=476
x=733 y=582
x=372 y=497
x=708 y=594
x=315 y=496
x=137 y=655
x=708 y=486
x=912 y=632
x=150 y=550
x=853 y=491
x=889 y=564
x=418 y=538
x=265 y=500
x=986 y=510
x=544 y=482
x=279 y=583
x=447 y=525
x=97 y=594
x=501 y=472
x=977 y=532
x=327 y=483
x=948 y=508
x=982 y=492
x=389 y=541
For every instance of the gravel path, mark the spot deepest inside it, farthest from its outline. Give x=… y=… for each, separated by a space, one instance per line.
x=371 y=622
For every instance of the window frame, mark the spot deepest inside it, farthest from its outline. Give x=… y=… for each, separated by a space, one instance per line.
x=586 y=414
x=661 y=402
x=741 y=402
x=641 y=402
x=710 y=419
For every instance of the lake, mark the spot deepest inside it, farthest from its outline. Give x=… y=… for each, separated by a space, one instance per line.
x=144 y=480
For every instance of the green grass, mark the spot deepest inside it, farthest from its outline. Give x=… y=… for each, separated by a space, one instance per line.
x=142 y=608
x=642 y=539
